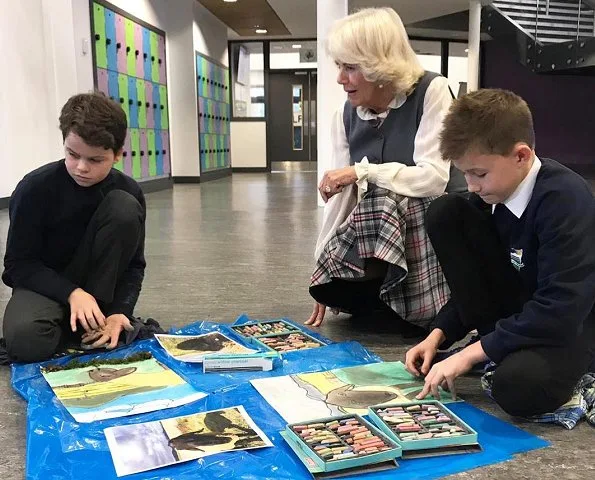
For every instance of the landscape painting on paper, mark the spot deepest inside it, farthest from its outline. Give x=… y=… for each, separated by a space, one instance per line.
x=117 y=387
x=145 y=446
x=308 y=396
x=193 y=348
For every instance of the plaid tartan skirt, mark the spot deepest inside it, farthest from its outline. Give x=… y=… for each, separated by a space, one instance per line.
x=389 y=227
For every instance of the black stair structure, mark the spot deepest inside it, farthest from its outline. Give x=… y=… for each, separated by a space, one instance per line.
x=552 y=36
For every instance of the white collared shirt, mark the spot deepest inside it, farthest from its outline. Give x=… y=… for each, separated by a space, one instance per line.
x=518 y=201
x=428 y=177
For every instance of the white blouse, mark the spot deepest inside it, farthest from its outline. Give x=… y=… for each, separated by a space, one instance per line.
x=428 y=177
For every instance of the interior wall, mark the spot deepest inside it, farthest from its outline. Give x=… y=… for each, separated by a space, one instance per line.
x=561 y=104
x=40 y=79
x=248 y=145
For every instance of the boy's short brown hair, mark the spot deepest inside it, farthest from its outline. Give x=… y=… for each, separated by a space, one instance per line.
x=487 y=121
x=97 y=119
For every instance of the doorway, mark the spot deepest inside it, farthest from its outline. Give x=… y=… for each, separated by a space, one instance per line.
x=292 y=117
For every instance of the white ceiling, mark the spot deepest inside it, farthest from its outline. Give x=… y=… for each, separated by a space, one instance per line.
x=301 y=21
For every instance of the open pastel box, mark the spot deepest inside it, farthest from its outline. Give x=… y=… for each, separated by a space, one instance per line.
x=345 y=443
x=425 y=428
x=289 y=342
x=269 y=327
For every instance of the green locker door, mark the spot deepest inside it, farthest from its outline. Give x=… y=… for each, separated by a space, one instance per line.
x=99 y=27
x=130 y=47
x=123 y=87
x=135 y=147
x=152 y=156
x=208 y=151
x=142 y=107
x=164 y=114
x=154 y=57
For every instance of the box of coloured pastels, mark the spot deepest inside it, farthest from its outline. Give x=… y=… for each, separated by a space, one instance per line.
x=345 y=445
x=424 y=429
x=277 y=335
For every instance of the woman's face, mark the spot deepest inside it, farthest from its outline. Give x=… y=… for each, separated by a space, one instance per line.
x=360 y=91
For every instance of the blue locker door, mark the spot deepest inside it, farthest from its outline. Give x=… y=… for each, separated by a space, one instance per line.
x=112 y=85
x=147 y=53
x=133 y=102
x=159 y=152
x=110 y=40
x=156 y=106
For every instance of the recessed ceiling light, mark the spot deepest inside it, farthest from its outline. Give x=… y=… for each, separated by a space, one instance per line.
x=296 y=45
x=466 y=50
x=261 y=30
x=230 y=1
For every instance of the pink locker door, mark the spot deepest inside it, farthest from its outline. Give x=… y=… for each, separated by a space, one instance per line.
x=138 y=52
x=121 y=43
x=102 y=81
x=149 y=99
x=161 y=59
x=144 y=154
x=165 y=151
x=127 y=155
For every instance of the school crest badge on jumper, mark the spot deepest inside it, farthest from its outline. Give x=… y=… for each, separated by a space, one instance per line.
x=516 y=258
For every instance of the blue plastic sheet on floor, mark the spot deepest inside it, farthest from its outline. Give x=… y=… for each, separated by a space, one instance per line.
x=59 y=448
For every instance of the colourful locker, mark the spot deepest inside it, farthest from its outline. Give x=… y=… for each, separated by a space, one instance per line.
x=99 y=31
x=135 y=154
x=141 y=102
x=138 y=51
x=156 y=106
x=161 y=60
x=146 y=54
x=130 y=48
x=163 y=107
x=217 y=83
x=113 y=88
x=110 y=40
x=154 y=57
x=127 y=156
x=123 y=91
x=144 y=154
x=158 y=152
x=165 y=152
x=201 y=115
x=151 y=153
x=121 y=44
x=133 y=103
x=149 y=104
x=204 y=148
x=102 y=81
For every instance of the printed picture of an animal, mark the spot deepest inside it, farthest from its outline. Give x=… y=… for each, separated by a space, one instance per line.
x=307 y=396
x=117 y=387
x=145 y=446
x=193 y=348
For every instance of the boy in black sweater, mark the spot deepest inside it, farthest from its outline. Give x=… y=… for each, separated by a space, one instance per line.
x=75 y=250
x=519 y=259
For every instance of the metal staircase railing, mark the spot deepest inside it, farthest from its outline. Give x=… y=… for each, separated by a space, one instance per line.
x=552 y=35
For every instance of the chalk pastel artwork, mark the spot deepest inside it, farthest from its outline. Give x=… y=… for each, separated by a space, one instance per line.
x=193 y=348
x=308 y=396
x=146 y=446
x=118 y=387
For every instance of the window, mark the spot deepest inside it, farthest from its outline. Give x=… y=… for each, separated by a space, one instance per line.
x=247 y=74
x=293 y=55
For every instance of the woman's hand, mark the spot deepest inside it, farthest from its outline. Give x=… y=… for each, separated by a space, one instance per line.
x=318 y=315
x=334 y=181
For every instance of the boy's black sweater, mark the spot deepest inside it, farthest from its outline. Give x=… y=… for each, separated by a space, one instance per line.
x=556 y=234
x=49 y=214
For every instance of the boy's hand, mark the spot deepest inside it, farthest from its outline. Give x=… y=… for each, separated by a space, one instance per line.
x=444 y=373
x=419 y=358
x=110 y=333
x=84 y=310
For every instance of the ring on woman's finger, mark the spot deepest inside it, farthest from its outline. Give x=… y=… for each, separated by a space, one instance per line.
x=327 y=189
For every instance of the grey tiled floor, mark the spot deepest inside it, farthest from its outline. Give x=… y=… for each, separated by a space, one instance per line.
x=244 y=244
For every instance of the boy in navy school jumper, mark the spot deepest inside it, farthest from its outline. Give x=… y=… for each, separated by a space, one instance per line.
x=519 y=258
x=75 y=249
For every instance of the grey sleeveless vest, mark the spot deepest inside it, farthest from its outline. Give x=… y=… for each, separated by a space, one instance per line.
x=394 y=140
